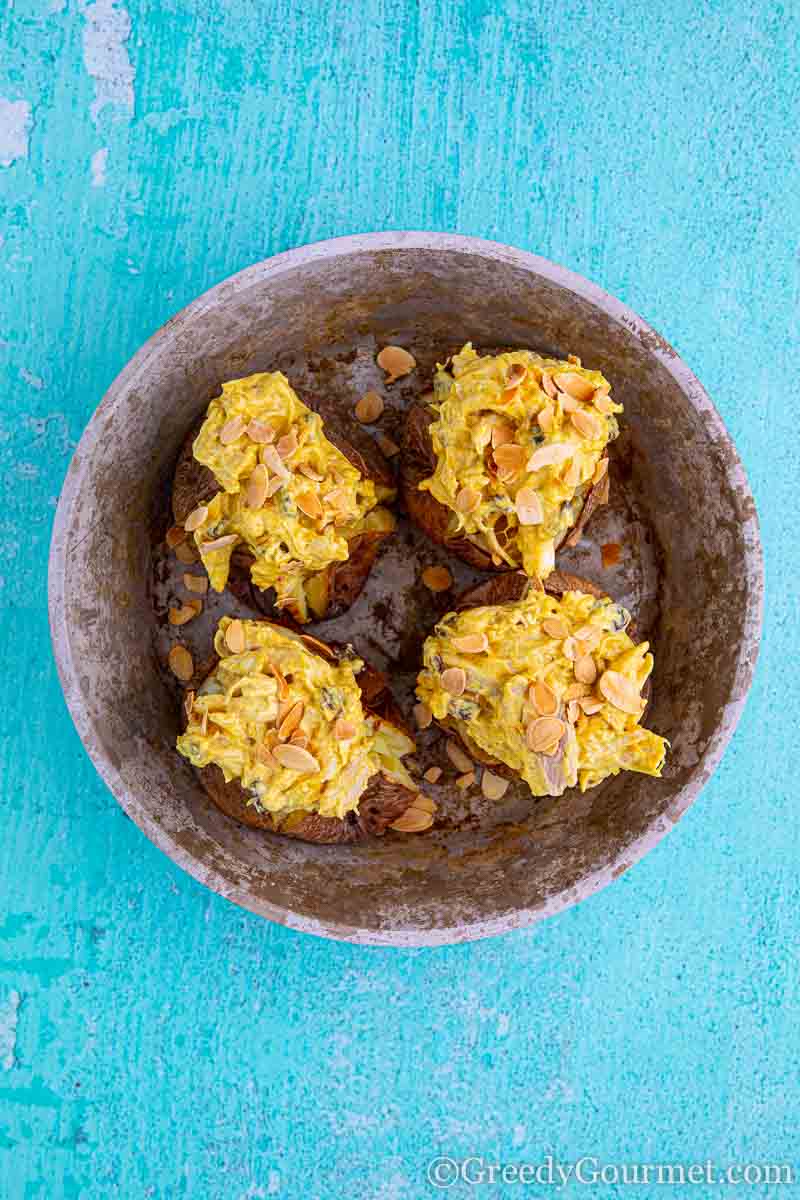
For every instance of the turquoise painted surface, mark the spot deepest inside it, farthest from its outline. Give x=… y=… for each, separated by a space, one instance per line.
x=156 y=1041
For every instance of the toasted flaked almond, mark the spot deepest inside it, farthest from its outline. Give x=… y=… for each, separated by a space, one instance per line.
x=454 y=681
x=264 y=756
x=422 y=715
x=287 y=444
x=186 y=553
x=195 y=518
x=585 y=669
x=577 y=691
x=232 y=430
x=257 y=485
x=181 y=662
x=600 y=470
x=388 y=448
x=555 y=627
x=310 y=473
x=587 y=423
x=571 y=475
x=510 y=457
x=509 y=394
x=568 y=403
x=174 y=536
x=573 y=711
x=425 y=803
x=502 y=434
x=467 y=500
x=589 y=636
x=283 y=709
x=466 y=780
x=283 y=687
x=515 y=374
x=470 y=643
x=272 y=459
x=433 y=774
x=603 y=402
x=337 y=497
x=186 y=612
x=575 y=385
x=569 y=648
x=196 y=583
x=543 y=733
x=590 y=706
x=543 y=699
x=413 y=820
x=620 y=692
x=298 y=738
x=234 y=637
x=295 y=758
x=188 y=704
x=275 y=484
x=494 y=787
x=548 y=387
x=344 y=730
x=290 y=722
x=309 y=503
x=550 y=455
x=546 y=419
x=219 y=543
x=369 y=408
x=261 y=432
x=458 y=757
x=437 y=579
x=528 y=505
x=396 y=362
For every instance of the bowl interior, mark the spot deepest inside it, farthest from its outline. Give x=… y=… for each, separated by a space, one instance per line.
x=690 y=569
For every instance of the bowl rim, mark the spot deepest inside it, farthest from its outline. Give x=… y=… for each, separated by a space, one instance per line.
x=669 y=359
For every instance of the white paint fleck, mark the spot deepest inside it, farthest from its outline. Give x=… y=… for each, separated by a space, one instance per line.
x=520 y=1134
x=9 y=1016
x=503 y=1024
x=162 y=122
x=35 y=381
x=98 y=165
x=273 y=1183
x=16 y=122
x=106 y=58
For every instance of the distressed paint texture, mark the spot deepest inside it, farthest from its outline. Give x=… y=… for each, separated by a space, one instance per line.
x=166 y=1043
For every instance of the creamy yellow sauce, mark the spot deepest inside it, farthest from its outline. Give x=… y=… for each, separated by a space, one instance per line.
x=507 y=503
x=259 y=437
x=236 y=717
x=500 y=709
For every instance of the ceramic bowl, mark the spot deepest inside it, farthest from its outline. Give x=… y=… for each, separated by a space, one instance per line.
x=682 y=514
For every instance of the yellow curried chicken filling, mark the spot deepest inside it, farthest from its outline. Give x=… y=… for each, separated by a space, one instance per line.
x=551 y=688
x=288 y=496
x=288 y=724
x=519 y=440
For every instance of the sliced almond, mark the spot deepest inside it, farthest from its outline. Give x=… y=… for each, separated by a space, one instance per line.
x=620 y=692
x=454 y=681
x=546 y=419
x=423 y=802
x=181 y=663
x=510 y=457
x=422 y=715
x=575 y=385
x=344 y=730
x=528 y=505
x=543 y=733
x=433 y=774
x=309 y=503
x=470 y=643
x=291 y=721
x=548 y=387
x=568 y=403
x=310 y=473
x=502 y=434
x=571 y=475
x=257 y=485
x=232 y=430
x=396 y=362
x=494 y=787
x=186 y=612
x=272 y=459
x=219 y=543
x=467 y=500
x=283 y=687
x=458 y=757
x=585 y=669
x=388 y=448
x=587 y=423
x=515 y=374
x=550 y=455
x=298 y=738
x=174 y=536
x=573 y=711
x=234 y=637
x=603 y=402
x=569 y=648
x=195 y=518
x=188 y=704
x=555 y=627
x=543 y=699
x=369 y=408
x=283 y=708
x=295 y=758
x=413 y=820
x=261 y=432
x=590 y=706
x=287 y=445
x=589 y=636
x=466 y=780
x=275 y=484
x=600 y=470
x=437 y=579
x=264 y=756
x=577 y=691
x=196 y=583
x=186 y=553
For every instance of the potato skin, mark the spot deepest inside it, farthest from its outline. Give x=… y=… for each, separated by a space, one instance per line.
x=382 y=802
x=419 y=462
x=194 y=484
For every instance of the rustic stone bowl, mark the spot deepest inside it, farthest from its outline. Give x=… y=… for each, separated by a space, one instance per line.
x=690 y=568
